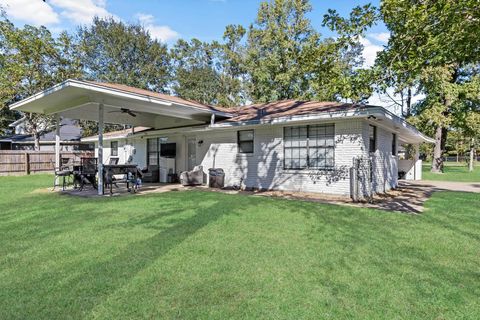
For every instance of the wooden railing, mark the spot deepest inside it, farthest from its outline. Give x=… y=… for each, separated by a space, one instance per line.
x=17 y=162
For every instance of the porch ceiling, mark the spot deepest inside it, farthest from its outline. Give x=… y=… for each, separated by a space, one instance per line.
x=80 y=100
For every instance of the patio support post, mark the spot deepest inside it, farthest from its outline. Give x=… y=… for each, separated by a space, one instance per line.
x=100 y=149
x=417 y=163
x=57 y=141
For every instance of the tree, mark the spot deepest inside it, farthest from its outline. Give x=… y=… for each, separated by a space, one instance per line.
x=195 y=75
x=113 y=51
x=347 y=77
x=233 y=74
x=32 y=60
x=430 y=43
x=467 y=112
x=212 y=73
x=281 y=45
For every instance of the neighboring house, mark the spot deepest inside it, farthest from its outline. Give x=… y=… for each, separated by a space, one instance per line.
x=70 y=135
x=329 y=147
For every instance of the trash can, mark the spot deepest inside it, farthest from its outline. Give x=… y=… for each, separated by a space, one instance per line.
x=216 y=178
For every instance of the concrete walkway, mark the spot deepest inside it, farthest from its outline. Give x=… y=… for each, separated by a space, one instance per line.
x=447 y=185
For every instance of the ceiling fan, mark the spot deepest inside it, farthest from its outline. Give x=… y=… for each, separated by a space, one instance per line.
x=125 y=110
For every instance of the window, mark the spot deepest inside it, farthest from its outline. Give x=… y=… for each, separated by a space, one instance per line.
x=372 y=133
x=394 y=144
x=245 y=141
x=114 y=148
x=153 y=151
x=309 y=147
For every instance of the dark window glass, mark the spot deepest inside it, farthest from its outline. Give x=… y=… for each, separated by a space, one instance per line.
x=394 y=144
x=372 y=133
x=245 y=141
x=114 y=148
x=309 y=147
x=152 y=152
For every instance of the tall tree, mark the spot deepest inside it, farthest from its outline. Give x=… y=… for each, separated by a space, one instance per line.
x=113 y=51
x=212 y=73
x=280 y=42
x=32 y=60
x=233 y=74
x=347 y=77
x=195 y=75
x=431 y=41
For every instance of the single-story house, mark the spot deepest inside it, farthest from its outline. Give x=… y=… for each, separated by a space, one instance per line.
x=70 y=135
x=310 y=146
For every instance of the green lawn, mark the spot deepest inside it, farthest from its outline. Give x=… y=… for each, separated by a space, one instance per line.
x=452 y=172
x=202 y=255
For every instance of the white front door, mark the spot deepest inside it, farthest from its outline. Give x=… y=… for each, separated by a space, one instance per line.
x=191 y=153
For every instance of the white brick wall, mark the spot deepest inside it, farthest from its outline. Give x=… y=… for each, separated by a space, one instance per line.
x=385 y=165
x=264 y=168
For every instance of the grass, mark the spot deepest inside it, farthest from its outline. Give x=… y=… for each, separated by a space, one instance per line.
x=202 y=255
x=452 y=172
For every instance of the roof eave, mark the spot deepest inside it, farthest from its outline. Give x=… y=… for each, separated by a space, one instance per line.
x=98 y=87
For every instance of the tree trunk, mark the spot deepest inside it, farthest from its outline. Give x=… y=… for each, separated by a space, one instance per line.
x=437 y=162
x=409 y=102
x=472 y=151
x=36 y=138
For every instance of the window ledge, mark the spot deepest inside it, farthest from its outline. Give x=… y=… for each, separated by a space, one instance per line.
x=306 y=171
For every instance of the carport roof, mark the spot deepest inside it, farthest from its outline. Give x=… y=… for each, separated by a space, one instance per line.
x=78 y=99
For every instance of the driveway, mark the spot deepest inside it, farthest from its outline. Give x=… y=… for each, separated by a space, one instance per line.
x=446 y=185
x=410 y=196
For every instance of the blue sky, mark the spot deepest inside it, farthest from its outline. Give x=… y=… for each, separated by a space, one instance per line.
x=167 y=19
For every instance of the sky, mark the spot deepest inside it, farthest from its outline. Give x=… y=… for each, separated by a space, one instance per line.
x=169 y=20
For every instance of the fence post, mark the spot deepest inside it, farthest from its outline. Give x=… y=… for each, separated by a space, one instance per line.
x=27 y=163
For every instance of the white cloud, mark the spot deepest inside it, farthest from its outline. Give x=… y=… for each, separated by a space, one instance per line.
x=380 y=37
x=32 y=12
x=162 y=33
x=370 y=51
x=38 y=12
x=82 y=11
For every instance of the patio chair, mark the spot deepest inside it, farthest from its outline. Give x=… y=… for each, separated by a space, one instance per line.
x=64 y=173
x=192 y=178
x=88 y=171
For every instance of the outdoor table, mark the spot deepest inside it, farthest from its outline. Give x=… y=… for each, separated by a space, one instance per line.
x=129 y=170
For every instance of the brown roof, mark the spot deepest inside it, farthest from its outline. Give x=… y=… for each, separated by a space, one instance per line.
x=157 y=95
x=285 y=108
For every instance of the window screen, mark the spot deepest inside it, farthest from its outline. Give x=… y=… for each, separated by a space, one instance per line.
x=152 y=152
x=245 y=141
x=394 y=144
x=114 y=148
x=309 y=147
x=372 y=133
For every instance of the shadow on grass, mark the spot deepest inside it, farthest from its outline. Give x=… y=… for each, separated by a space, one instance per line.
x=95 y=281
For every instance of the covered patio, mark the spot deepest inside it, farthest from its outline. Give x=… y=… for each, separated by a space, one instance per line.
x=115 y=104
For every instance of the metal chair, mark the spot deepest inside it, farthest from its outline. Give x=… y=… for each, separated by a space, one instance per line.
x=64 y=172
x=88 y=172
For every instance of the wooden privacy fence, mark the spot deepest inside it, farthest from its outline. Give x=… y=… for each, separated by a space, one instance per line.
x=15 y=162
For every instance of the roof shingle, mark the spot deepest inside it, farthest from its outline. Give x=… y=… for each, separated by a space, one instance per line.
x=286 y=108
